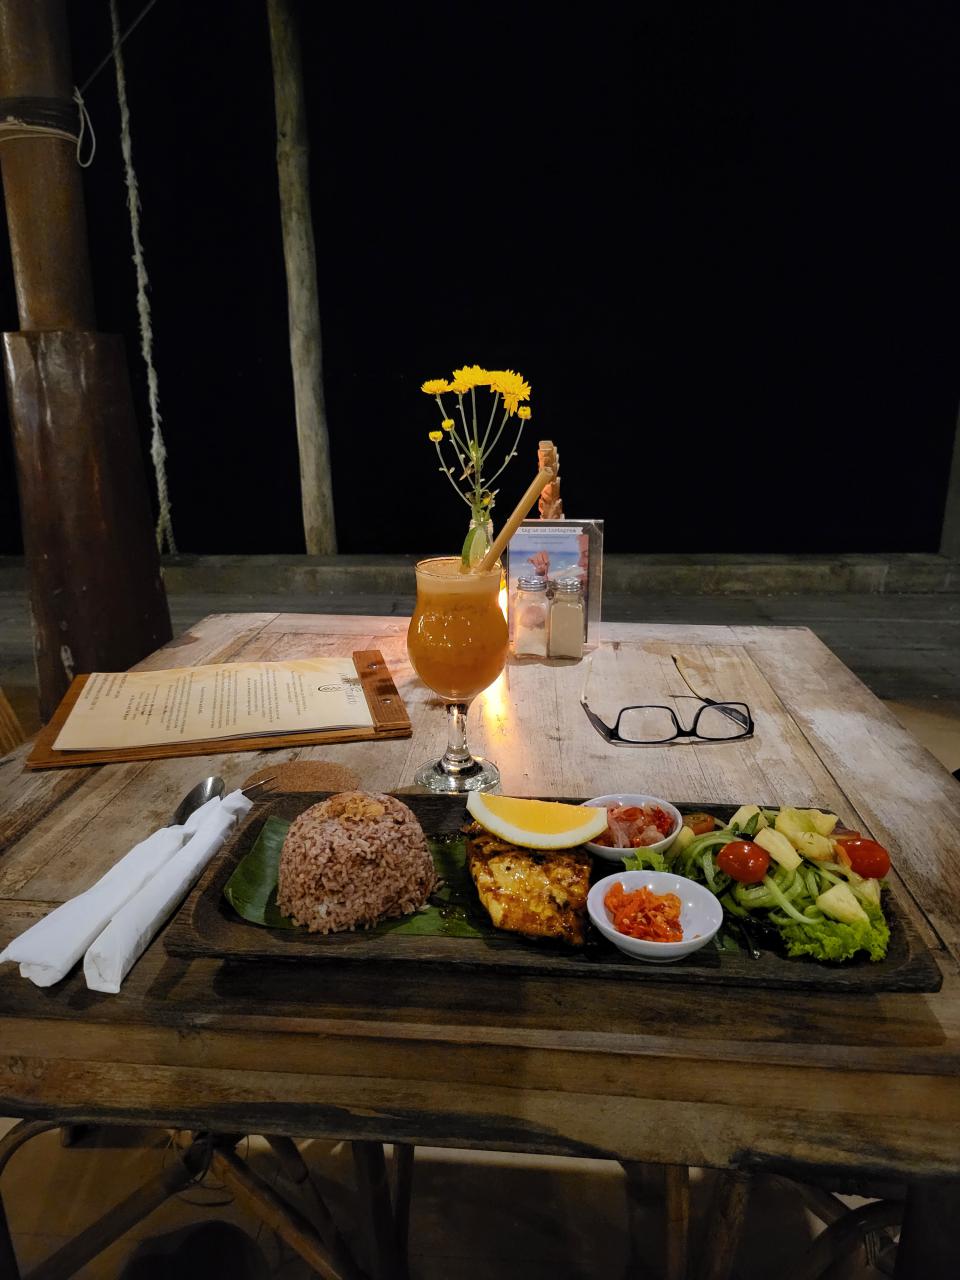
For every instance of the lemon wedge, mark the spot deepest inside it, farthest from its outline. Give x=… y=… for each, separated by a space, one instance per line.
x=536 y=824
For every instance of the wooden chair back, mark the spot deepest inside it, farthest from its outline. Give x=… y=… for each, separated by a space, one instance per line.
x=11 y=731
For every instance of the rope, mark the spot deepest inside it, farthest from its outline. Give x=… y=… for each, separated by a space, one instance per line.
x=48 y=118
x=86 y=124
x=158 y=452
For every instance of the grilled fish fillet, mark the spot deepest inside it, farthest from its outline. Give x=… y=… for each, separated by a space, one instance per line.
x=541 y=895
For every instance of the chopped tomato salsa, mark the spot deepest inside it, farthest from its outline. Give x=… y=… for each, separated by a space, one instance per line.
x=655 y=917
x=635 y=826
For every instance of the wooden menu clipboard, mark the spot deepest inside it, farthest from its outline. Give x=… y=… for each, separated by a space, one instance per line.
x=390 y=720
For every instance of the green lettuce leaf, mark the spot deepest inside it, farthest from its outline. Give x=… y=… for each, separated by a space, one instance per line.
x=831 y=940
x=644 y=860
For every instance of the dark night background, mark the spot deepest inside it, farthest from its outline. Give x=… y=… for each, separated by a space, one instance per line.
x=720 y=241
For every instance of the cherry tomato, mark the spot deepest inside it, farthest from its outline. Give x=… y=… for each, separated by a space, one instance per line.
x=699 y=823
x=744 y=861
x=867 y=858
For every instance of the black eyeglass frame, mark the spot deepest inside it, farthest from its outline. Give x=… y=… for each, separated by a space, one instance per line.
x=739 y=712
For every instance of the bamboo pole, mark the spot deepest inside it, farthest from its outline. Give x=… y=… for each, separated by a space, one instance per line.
x=299 y=255
x=97 y=599
x=42 y=185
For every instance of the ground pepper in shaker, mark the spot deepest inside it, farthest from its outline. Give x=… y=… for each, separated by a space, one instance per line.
x=530 y=624
x=566 y=620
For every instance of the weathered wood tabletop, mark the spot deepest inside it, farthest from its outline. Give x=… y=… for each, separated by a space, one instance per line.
x=686 y=1075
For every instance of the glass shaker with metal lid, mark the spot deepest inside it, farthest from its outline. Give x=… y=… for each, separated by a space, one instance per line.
x=531 y=609
x=566 y=620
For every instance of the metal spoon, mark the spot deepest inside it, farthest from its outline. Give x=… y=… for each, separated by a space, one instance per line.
x=200 y=794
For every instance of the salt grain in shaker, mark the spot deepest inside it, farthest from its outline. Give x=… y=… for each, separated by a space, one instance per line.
x=566 y=620
x=530 y=626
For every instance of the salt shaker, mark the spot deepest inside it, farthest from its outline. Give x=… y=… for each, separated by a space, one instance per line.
x=530 y=622
x=566 y=620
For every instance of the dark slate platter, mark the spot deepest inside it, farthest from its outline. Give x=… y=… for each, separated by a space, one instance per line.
x=207 y=926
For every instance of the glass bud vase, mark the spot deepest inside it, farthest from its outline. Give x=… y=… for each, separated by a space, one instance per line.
x=478 y=540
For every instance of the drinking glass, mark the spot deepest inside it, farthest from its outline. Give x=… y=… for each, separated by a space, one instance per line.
x=457 y=643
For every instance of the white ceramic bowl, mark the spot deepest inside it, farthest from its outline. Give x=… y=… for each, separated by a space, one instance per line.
x=700 y=914
x=616 y=855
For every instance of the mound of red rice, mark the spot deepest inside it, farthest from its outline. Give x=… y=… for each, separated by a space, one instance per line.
x=352 y=861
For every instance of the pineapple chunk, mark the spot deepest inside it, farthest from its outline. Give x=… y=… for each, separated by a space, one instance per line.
x=793 y=821
x=823 y=823
x=816 y=848
x=840 y=903
x=744 y=814
x=779 y=848
x=866 y=890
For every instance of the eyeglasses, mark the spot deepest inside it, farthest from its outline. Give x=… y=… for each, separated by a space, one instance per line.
x=651 y=725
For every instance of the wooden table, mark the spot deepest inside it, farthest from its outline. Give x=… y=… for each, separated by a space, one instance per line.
x=857 y=1086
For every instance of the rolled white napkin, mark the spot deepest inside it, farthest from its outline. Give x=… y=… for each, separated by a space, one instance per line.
x=126 y=937
x=48 y=950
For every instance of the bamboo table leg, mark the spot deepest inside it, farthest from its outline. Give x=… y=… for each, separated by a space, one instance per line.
x=930 y=1239
x=374 y=1187
x=278 y=1214
x=669 y=1186
x=288 y=1153
x=403 y=1156
x=677 y=1188
x=724 y=1227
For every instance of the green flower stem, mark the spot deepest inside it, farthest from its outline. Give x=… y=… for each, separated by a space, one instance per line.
x=443 y=468
x=496 y=438
x=463 y=416
x=457 y=442
x=493 y=414
x=511 y=454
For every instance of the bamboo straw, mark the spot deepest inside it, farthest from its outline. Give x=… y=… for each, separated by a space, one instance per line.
x=537 y=487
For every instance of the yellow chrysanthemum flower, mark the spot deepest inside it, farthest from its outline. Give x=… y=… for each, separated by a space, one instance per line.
x=511 y=386
x=435 y=436
x=447 y=424
x=435 y=386
x=524 y=412
x=471 y=375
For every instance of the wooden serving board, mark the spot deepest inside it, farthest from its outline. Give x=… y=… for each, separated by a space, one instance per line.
x=208 y=926
x=390 y=720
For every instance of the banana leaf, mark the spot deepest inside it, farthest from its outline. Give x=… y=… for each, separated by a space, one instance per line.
x=453 y=910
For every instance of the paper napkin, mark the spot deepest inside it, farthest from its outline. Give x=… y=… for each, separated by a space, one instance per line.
x=114 y=953
x=48 y=950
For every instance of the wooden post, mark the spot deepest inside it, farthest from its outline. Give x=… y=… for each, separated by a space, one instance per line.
x=303 y=307
x=97 y=598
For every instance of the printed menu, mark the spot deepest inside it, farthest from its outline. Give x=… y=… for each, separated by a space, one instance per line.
x=235 y=699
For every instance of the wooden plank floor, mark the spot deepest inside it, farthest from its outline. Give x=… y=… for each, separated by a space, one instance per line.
x=906 y=648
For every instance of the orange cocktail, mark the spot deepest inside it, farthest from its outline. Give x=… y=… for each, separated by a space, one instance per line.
x=457 y=643
x=457 y=639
